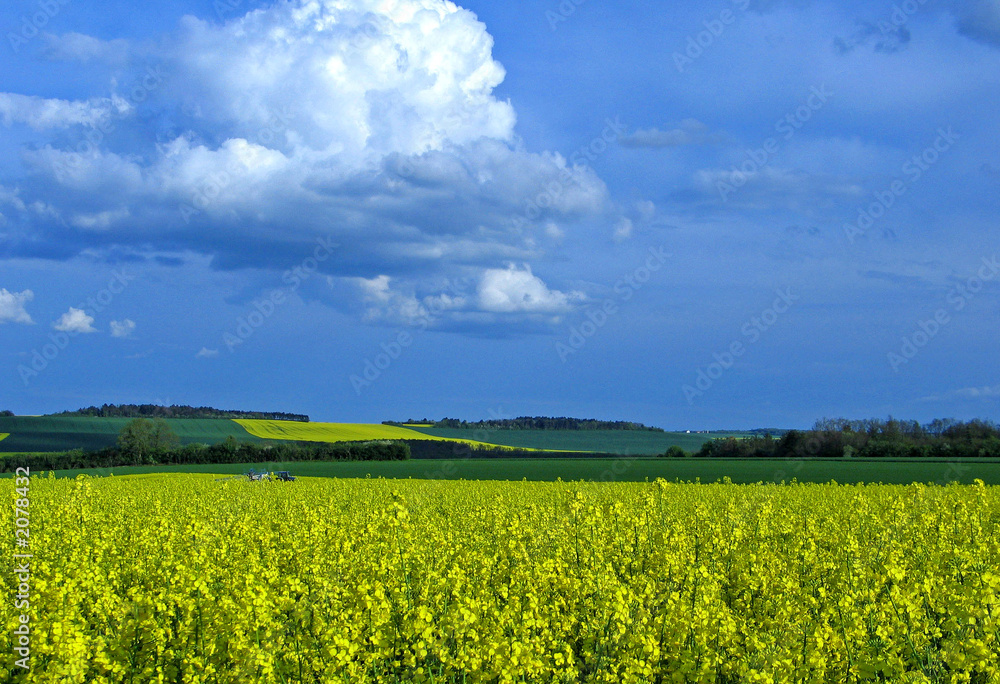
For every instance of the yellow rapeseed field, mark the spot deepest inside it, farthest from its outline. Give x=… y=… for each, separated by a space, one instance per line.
x=181 y=578
x=344 y=432
x=333 y=432
x=4 y=435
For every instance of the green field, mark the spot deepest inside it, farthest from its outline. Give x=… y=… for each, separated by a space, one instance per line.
x=621 y=470
x=626 y=442
x=63 y=433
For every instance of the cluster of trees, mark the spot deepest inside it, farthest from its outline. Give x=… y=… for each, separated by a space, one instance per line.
x=535 y=423
x=175 y=411
x=911 y=429
x=872 y=438
x=6 y=414
x=152 y=442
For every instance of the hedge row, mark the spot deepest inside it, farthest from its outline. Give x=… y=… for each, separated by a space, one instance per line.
x=229 y=451
x=835 y=444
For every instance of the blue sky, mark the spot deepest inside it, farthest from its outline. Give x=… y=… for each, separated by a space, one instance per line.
x=698 y=216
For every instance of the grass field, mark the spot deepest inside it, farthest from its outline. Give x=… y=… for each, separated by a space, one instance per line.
x=620 y=470
x=626 y=442
x=62 y=433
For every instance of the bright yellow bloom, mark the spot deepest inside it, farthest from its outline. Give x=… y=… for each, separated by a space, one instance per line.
x=181 y=578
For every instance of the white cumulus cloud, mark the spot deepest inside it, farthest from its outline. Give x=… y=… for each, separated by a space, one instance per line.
x=122 y=328
x=518 y=290
x=12 y=306
x=401 y=306
x=75 y=321
x=987 y=392
x=372 y=123
x=486 y=297
x=41 y=113
x=83 y=48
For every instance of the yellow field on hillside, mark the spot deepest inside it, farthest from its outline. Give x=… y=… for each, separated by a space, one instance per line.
x=4 y=435
x=338 y=432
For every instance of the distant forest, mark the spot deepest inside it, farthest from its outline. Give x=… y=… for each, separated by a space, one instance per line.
x=153 y=411
x=229 y=451
x=871 y=438
x=531 y=423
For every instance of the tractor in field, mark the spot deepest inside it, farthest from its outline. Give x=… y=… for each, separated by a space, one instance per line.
x=258 y=476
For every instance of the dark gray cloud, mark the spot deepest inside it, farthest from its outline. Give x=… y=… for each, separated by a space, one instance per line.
x=980 y=20
x=883 y=37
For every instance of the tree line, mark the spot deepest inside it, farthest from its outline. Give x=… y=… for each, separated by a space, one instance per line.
x=152 y=442
x=176 y=411
x=532 y=423
x=870 y=438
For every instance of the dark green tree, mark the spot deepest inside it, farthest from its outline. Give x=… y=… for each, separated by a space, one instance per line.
x=143 y=439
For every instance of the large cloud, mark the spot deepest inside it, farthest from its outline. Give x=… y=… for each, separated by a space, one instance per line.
x=369 y=122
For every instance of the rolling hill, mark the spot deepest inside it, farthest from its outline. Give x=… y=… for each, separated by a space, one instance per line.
x=25 y=434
